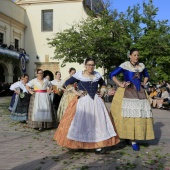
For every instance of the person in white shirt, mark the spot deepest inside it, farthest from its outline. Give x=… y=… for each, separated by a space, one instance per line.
x=159 y=101
x=40 y=112
x=19 y=111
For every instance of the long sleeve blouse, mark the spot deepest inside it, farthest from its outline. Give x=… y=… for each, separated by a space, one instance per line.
x=131 y=74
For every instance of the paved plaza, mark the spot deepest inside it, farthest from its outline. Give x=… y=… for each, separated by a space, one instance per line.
x=22 y=148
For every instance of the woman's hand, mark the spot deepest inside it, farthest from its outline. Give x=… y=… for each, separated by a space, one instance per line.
x=31 y=92
x=17 y=92
x=80 y=93
x=125 y=84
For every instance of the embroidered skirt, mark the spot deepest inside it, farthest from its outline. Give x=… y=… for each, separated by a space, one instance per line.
x=20 y=108
x=132 y=114
x=86 y=124
x=65 y=100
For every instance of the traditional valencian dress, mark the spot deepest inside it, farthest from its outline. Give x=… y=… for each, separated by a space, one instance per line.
x=64 y=102
x=19 y=111
x=57 y=88
x=130 y=107
x=86 y=124
x=40 y=104
x=12 y=102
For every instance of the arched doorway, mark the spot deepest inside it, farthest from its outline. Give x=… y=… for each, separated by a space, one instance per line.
x=3 y=72
x=17 y=73
x=47 y=72
x=2 y=77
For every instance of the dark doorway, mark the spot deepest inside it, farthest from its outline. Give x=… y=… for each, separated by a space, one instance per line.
x=17 y=74
x=2 y=77
x=47 y=72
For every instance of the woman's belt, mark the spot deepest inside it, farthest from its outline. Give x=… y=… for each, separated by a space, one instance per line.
x=40 y=91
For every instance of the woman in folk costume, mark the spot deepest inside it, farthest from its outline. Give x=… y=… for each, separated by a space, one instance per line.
x=40 y=112
x=19 y=110
x=86 y=123
x=13 y=97
x=66 y=98
x=130 y=107
x=58 y=90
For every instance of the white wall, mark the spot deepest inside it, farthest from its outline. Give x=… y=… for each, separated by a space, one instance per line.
x=64 y=15
x=11 y=9
x=12 y=25
x=12 y=22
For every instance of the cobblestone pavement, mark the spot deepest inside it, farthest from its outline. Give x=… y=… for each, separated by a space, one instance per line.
x=22 y=148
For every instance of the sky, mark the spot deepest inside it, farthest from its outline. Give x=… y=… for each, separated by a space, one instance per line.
x=163 y=6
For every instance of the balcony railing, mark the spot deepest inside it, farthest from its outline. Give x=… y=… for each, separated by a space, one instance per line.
x=12 y=53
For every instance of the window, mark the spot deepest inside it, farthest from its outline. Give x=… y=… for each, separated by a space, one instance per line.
x=47 y=20
x=1 y=38
x=16 y=44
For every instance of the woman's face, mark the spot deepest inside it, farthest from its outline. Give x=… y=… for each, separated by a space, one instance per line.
x=72 y=72
x=90 y=66
x=134 y=57
x=25 y=79
x=58 y=76
x=40 y=75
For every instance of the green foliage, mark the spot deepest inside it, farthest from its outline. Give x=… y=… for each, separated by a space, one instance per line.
x=109 y=37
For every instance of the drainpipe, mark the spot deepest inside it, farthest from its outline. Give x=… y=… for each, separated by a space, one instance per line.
x=91 y=4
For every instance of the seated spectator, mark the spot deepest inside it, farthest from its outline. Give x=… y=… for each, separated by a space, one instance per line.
x=166 y=103
x=158 y=85
x=163 y=84
x=168 y=87
x=159 y=101
x=152 y=94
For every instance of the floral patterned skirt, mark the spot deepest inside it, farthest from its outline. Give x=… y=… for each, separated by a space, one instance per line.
x=65 y=100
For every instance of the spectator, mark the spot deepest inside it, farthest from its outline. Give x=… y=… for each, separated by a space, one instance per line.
x=158 y=85
x=163 y=84
x=159 y=101
x=152 y=94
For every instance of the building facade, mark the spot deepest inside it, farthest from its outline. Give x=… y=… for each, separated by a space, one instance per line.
x=30 y=22
x=12 y=34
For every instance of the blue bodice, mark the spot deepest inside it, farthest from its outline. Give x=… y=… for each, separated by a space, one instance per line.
x=85 y=84
x=131 y=75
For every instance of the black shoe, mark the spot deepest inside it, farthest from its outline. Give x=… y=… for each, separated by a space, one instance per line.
x=102 y=151
x=127 y=141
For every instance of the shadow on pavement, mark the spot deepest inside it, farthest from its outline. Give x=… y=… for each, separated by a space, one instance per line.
x=158 y=133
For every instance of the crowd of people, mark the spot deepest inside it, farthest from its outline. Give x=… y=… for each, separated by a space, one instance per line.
x=4 y=89
x=159 y=95
x=76 y=107
x=11 y=47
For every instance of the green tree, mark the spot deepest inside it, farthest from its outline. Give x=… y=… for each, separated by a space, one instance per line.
x=103 y=38
x=154 y=44
x=107 y=38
